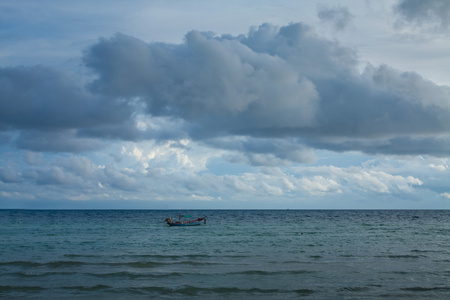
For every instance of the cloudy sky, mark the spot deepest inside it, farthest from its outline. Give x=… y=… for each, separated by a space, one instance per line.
x=202 y=104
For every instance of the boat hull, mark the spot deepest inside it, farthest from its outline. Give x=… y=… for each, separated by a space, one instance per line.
x=186 y=224
x=195 y=222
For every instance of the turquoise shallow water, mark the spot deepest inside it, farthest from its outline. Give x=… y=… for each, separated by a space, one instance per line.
x=251 y=254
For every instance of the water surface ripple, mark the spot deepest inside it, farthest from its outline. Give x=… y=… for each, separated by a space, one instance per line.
x=264 y=254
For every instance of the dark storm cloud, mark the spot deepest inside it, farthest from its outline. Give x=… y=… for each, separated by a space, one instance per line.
x=275 y=91
x=275 y=83
x=48 y=107
x=218 y=82
x=43 y=98
x=425 y=12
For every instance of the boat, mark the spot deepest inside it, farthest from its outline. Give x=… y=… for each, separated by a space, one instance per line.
x=195 y=222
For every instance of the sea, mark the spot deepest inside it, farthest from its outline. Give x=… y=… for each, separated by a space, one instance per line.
x=237 y=254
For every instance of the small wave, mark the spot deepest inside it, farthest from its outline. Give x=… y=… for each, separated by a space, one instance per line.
x=20 y=263
x=52 y=264
x=353 y=289
x=99 y=287
x=269 y=273
x=75 y=263
x=161 y=256
x=191 y=291
x=197 y=263
x=153 y=264
x=122 y=275
x=425 y=251
x=197 y=291
x=39 y=274
x=132 y=275
x=20 y=288
x=405 y=256
x=426 y=289
x=304 y=292
x=398 y=272
x=81 y=256
x=72 y=263
x=400 y=256
x=64 y=263
x=135 y=264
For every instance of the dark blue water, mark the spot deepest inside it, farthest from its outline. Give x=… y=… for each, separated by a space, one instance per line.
x=261 y=254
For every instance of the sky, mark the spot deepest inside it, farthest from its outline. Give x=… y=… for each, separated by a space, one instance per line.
x=211 y=105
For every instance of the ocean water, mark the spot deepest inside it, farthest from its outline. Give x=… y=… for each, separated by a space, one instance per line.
x=238 y=254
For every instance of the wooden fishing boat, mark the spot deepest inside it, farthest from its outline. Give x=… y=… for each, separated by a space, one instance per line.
x=196 y=222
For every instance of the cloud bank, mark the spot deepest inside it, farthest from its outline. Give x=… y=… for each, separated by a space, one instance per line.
x=274 y=93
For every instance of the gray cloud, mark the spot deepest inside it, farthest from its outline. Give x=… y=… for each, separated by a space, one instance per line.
x=48 y=108
x=216 y=81
x=275 y=82
x=120 y=180
x=271 y=94
x=425 y=12
x=48 y=99
x=266 y=151
x=56 y=141
x=9 y=175
x=53 y=176
x=337 y=16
